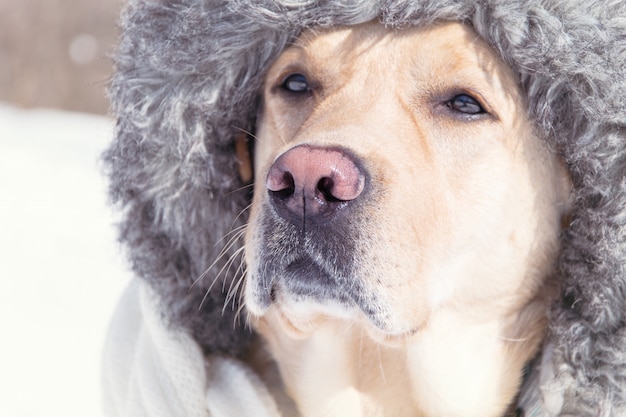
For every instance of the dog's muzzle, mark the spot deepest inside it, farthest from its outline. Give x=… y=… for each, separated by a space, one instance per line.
x=311 y=224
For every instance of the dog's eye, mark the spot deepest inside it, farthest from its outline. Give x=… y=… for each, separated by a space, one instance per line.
x=465 y=104
x=296 y=83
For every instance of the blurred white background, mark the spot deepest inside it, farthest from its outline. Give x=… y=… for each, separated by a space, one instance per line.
x=61 y=269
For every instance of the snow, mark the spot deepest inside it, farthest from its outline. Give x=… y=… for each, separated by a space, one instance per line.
x=61 y=269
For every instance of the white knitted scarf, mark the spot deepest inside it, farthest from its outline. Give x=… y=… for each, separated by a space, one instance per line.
x=150 y=370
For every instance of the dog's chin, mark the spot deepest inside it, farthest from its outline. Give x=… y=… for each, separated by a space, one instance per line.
x=302 y=318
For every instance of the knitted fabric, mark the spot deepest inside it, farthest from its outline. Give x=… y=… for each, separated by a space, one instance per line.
x=153 y=371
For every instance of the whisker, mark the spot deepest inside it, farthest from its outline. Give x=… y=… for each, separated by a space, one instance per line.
x=247 y=132
x=235 y=229
x=242 y=301
x=232 y=232
x=223 y=271
x=282 y=138
x=207 y=292
x=200 y=278
x=248 y=319
x=236 y=235
x=238 y=315
x=227 y=265
x=232 y=291
x=361 y=346
x=237 y=279
x=251 y=185
x=509 y=339
x=380 y=365
x=241 y=213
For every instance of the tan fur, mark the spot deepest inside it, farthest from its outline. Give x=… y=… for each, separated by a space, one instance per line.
x=461 y=232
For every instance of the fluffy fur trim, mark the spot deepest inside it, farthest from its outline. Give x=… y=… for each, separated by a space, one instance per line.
x=188 y=74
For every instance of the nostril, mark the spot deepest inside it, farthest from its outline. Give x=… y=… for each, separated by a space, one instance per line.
x=281 y=182
x=325 y=187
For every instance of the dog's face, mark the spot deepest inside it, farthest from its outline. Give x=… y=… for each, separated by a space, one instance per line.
x=400 y=191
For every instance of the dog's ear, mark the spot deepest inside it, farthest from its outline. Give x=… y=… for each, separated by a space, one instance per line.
x=244 y=157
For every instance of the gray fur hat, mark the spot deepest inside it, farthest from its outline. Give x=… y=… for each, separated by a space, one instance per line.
x=187 y=80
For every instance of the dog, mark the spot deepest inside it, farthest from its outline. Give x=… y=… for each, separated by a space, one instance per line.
x=404 y=226
x=418 y=206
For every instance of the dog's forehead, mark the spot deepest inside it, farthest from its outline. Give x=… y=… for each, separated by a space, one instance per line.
x=444 y=38
x=421 y=52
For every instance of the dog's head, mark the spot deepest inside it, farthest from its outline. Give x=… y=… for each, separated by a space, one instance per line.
x=397 y=174
x=451 y=179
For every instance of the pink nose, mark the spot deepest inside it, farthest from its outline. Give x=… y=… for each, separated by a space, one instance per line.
x=309 y=182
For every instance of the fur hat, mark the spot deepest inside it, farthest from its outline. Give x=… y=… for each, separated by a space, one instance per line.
x=187 y=80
